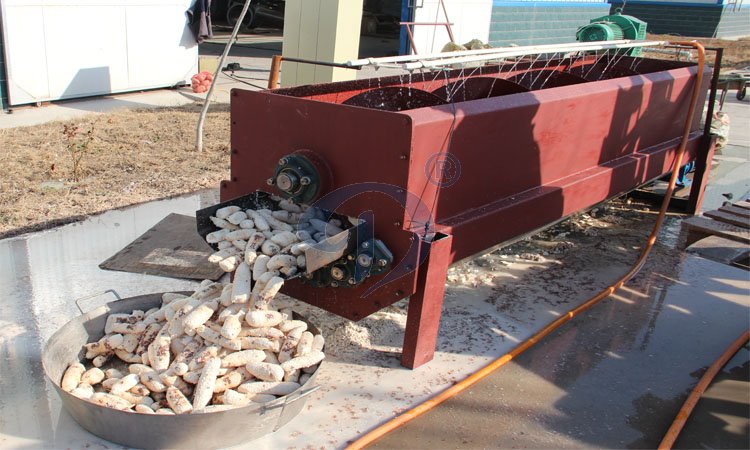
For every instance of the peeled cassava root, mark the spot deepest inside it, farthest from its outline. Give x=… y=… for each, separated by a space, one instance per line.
x=223 y=347
x=266 y=240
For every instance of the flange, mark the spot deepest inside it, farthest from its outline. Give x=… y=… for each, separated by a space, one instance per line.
x=301 y=176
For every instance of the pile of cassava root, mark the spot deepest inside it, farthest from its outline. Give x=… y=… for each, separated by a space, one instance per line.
x=197 y=354
x=272 y=243
x=226 y=345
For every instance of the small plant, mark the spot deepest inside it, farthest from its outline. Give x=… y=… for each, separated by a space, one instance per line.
x=78 y=144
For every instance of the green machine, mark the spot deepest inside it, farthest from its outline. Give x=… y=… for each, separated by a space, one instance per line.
x=612 y=28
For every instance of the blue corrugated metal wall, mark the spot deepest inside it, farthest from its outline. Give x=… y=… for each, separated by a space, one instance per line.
x=689 y=19
x=541 y=22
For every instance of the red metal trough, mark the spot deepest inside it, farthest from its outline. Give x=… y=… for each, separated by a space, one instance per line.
x=453 y=163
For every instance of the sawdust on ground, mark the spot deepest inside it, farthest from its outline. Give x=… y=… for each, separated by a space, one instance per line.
x=133 y=156
x=512 y=278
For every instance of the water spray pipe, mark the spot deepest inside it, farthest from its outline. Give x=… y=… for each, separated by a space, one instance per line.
x=412 y=62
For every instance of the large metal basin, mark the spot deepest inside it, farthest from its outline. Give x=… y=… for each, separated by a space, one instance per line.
x=212 y=430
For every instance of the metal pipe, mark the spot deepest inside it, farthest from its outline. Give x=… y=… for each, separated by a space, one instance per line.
x=273 y=77
x=665 y=51
x=204 y=111
x=518 y=51
x=705 y=153
x=484 y=51
x=321 y=63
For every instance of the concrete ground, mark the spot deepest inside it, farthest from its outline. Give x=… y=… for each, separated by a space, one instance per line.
x=730 y=175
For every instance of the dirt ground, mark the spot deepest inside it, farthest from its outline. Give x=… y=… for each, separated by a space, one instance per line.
x=736 y=52
x=126 y=157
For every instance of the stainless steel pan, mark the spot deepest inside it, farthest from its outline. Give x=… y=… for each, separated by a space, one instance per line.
x=212 y=430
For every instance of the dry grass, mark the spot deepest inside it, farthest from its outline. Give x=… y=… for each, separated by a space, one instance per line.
x=135 y=156
x=736 y=52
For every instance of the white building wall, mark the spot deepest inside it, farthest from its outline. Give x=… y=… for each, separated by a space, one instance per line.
x=57 y=49
x=471 y=19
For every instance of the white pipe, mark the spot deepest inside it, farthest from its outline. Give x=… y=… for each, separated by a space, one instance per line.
x=484 y=51
x=204 y=111
x=518 y=51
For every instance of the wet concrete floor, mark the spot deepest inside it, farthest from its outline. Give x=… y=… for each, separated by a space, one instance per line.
x=614 y=376
x=721 y=418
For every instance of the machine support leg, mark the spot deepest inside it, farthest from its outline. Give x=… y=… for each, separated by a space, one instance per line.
x=425 y=306
x=702 y=171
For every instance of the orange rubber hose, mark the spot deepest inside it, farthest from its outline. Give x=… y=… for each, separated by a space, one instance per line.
x=698 y=390
x=467 y=382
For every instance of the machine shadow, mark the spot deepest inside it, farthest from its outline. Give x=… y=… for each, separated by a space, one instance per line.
x=646 y=128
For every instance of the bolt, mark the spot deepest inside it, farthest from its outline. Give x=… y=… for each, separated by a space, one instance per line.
x=350 y=257
x=382 y=262
x=304 y=181
x=269 y=181
x=364 y=260
x=365 y=244
x=334 y=284
x=283 y=161
x=337 y=273
x=396 y=224
x=402 y=157
x=351 y=281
